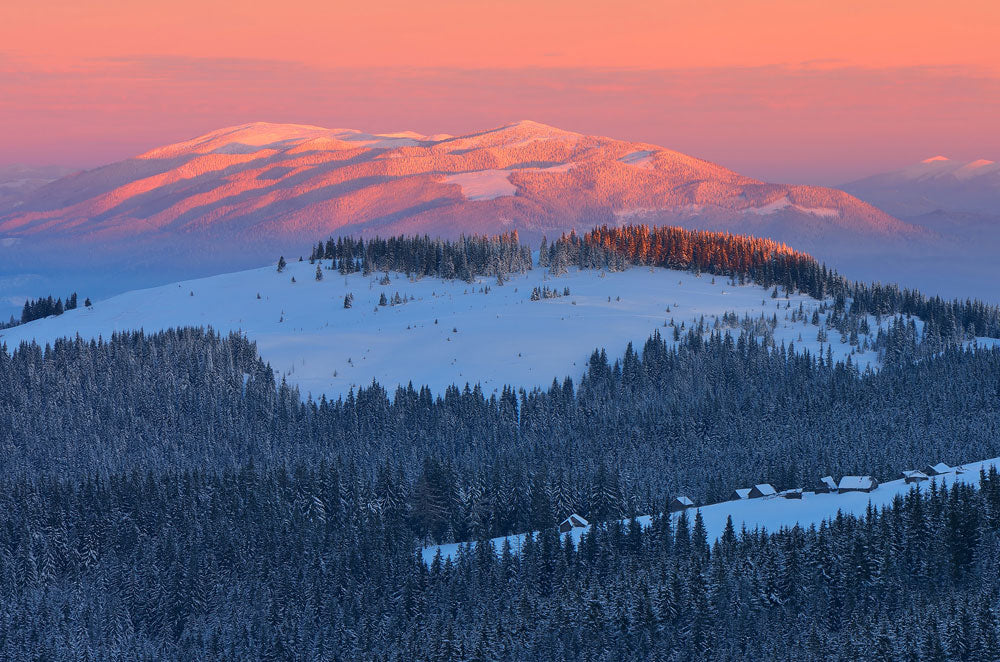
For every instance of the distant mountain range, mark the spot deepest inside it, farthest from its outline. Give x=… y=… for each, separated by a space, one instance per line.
x=958 y=204
x=260 y=183
x=934 y=185
x=20 y=181
x=237 y=197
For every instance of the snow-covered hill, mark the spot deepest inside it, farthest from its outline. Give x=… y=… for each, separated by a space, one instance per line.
x=448 y=332
x=769 y=513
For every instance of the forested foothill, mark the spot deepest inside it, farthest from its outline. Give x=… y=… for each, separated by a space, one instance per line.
x=163 y=496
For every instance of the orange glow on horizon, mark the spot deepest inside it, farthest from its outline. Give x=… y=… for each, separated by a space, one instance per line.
x=783 y=84
x=515 y=33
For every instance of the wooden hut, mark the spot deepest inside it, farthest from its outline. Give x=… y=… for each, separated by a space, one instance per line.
x=937 y=469
x=574 y=521
x=857 y=484
x=826 y=484
x=914 y=476
x=680 y=503
x=762 y=490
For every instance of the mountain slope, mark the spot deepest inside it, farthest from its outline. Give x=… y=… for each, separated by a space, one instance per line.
x=934 y=184
x=260 y=183
x=958 y=204
x=20 y=181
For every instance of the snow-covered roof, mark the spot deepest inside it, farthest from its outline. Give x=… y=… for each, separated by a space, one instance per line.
x=857 y=483
x=919 y=475
x=940 y=468
x=684 y=500
x=792 y=492
x=766 y=489
x=575 y=520
x=829 y=482
x=742 y=493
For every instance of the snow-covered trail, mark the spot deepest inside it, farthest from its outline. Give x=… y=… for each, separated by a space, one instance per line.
x=768 y=513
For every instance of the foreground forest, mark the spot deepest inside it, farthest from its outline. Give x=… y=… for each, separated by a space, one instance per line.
x=700 y=419
x=204 y=512
x=163 y=497
x=276 y=565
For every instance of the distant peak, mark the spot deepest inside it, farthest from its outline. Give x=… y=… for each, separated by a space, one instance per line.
x=936 y=159
x=535 y=128
x=530 y=124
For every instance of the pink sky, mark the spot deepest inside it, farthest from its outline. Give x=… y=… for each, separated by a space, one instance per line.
x=790 y=90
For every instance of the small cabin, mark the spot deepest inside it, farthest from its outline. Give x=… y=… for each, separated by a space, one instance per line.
x=914 y=476
x=677 y=504
x=826 y=485
x=574 y=521
x=792 y=494
x=857 y=484
x=762 y=490
x=937 y=469
x=742 y=493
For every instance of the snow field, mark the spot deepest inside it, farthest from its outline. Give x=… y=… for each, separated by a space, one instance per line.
x=451 y=332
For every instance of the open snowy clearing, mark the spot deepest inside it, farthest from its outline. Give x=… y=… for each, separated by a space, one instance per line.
x=770 y=513
x=784 y=203
x=448 y=332
x=483 y=184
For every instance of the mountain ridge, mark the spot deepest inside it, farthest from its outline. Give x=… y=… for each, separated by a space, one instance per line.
x=263 y=179
x=934 y=184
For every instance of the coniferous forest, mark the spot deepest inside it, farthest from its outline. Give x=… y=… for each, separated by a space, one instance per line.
x=422 y=256
x=43 y=307
x=163 y=497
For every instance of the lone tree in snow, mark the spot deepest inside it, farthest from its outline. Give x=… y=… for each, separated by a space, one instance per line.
x=281 y=264
x=348 y=300
x=319 y=273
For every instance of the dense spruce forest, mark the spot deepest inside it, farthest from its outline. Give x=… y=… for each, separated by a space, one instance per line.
x=163 y=497
x=463 y=259
x=277 y=565
x=35 y=309
x=700 y=419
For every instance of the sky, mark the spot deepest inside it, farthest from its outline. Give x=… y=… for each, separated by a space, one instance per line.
x=789 y=90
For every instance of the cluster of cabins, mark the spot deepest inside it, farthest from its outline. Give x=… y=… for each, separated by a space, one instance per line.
x=826 y=485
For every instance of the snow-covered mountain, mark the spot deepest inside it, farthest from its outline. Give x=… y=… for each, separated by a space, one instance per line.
x=20 y=181
x=958 y=204
x=253 y=188
x=934 y=184
x=237 y=197
x=448 y=331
